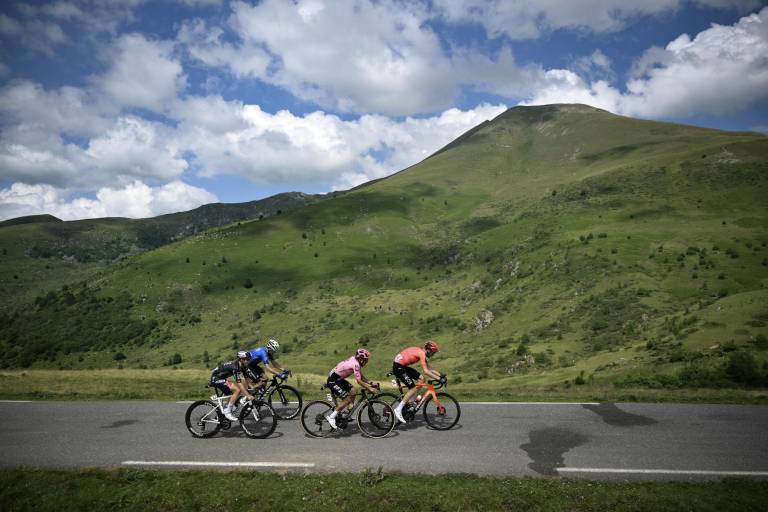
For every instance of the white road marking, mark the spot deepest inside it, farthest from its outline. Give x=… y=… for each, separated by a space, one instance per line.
x=661 y=472
x=222 y=464
x=15 y=401
x=529 y=403
x=185 y=401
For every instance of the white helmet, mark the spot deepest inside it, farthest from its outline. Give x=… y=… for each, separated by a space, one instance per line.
x=273 y=344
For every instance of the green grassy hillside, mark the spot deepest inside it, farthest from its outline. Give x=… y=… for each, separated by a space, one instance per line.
x=41 y=253
x=552 y=246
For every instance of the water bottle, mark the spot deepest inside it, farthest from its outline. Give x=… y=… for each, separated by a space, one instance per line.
x=329 y=397
x=394 y=383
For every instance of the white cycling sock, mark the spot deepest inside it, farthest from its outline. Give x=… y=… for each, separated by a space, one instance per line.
x=333 y=414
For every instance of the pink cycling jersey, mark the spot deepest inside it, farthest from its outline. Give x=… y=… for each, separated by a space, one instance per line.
x=347 y=367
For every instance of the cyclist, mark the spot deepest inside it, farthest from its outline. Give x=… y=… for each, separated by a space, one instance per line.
x=265 y=355
x=340 y=388
x=401 y=368
x=220 y=374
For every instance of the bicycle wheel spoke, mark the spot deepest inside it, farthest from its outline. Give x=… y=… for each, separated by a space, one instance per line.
x=258 y=420
x=313 y=418
x=286 y=401
x=443 y=414
x=376 y=418
x=202 y=419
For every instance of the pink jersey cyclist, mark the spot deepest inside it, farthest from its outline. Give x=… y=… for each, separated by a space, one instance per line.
x=347 y=367
x=339 y=386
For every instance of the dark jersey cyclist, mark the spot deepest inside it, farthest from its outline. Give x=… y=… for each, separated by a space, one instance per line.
x=236 y=370
x=263 y=355
x=401 y=368
x=339 y=386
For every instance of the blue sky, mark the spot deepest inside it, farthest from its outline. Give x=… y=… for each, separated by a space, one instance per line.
x=136 y=108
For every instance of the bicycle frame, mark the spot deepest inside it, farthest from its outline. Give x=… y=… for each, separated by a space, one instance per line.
x=430 y=392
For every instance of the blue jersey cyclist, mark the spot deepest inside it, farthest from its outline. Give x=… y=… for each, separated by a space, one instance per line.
x=263 y=355
x=235 y=369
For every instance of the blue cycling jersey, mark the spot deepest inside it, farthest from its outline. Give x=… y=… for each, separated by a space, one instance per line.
x=259 y=355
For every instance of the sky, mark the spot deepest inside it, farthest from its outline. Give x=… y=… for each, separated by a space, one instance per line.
x=137 y=108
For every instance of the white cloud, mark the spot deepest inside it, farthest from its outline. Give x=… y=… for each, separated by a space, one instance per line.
x=37 y=35
x=283 y=148
x=135 y=200
x=65 y=110
x=521 y=19
x=722 y=69
x=143 y=74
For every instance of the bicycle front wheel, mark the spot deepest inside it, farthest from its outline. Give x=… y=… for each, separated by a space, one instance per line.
x=313 y=418
x=258 y=420
x=444 y=413
x=376 y=418
x=202 y=418
x=286 y=401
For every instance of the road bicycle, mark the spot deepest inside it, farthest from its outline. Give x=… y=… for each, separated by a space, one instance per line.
x=375 y=418
x=205 y=418
x=441 y=411
x=285 y=400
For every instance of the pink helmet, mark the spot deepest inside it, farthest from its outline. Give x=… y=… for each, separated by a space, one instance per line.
x=362 y=354
x=431 y=346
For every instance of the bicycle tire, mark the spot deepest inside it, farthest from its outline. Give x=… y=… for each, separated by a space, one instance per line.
x=442 y=420
x=258 y=420
x=313 y=418
x=376 y=418
x=199 y=415
x=285 y=408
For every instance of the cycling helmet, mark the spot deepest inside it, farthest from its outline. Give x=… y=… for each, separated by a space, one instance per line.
x=362 y=354
x=273 y=345
x=431 y=346
x=243 y=354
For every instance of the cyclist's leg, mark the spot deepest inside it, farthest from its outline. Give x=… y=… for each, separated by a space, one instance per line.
x=348 y=399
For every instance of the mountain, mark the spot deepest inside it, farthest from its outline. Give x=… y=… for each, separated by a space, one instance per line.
x=549 y=246
x=42 y=252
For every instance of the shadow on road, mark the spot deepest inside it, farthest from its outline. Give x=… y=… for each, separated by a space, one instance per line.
x=121 y=423
x=547 y=447
x=614 y=416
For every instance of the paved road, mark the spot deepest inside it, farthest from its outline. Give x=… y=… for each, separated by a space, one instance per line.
x=627 y=441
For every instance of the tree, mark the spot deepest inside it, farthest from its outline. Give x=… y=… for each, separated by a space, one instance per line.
x=176 y=359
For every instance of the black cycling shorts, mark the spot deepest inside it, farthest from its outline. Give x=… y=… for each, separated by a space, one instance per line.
x=405 y=374
x=254 y=372
x=339 y=387
x=221 y=383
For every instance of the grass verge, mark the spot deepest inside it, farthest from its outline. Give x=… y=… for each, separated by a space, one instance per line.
x=168 y=384
x=128 y=489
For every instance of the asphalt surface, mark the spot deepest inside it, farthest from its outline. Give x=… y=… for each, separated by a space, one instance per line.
x=605 y=441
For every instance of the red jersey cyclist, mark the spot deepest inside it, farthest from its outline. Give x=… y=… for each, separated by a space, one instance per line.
x=339 y=386
x=401 y=368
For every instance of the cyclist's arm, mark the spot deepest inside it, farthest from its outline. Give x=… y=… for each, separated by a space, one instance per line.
x=272 y=367
x=427 y=370
x=367 y=384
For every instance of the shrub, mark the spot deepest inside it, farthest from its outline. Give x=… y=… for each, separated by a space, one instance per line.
x=119 y=356
x=742 y=368
x=247 y=283
x=176 y=359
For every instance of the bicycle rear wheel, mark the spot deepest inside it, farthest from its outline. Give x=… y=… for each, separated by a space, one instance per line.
x=202 y=418
x=258 y=420
x=376 y=418
x=442 y=416
x=313 y=418
x=286 y=401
